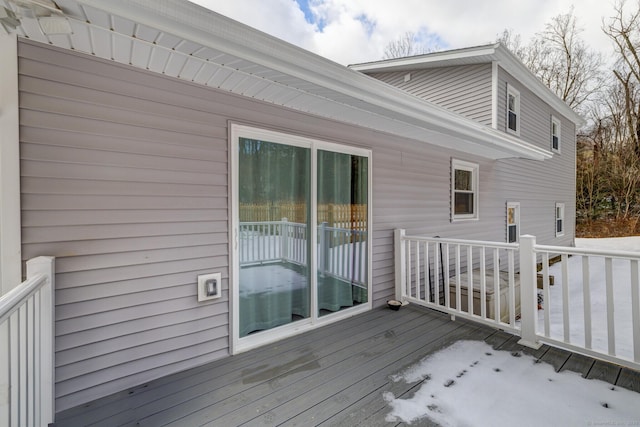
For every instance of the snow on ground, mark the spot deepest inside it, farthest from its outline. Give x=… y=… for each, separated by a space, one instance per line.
x=470 y=384
x=621 y=297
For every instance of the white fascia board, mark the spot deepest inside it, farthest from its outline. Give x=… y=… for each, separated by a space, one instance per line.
x=10 y=243
x=192 y=22
x=418 y=61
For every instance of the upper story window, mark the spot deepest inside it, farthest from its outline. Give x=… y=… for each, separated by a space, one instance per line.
x=555 y=134
x=513 y=110
x=559 y=219
x=464 y=190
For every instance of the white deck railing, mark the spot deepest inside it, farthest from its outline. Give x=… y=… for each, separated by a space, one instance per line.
x=342 y=252
x=27 y=348
x=458 y=277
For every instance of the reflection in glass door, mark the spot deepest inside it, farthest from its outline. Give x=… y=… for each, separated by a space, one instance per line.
x=342 y=224
x=273 y=241
x=301 y=242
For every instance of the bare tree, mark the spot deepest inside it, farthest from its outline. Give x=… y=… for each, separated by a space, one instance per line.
x=405 y=45
x=624 y=31
x=560 y=58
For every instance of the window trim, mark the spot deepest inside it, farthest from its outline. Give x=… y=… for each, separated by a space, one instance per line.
x=515 y=205
x=512 y=91
x=555 y=121
x=559 y=215
x=475 y=173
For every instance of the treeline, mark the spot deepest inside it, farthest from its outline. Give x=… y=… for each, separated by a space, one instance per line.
x=606 y=92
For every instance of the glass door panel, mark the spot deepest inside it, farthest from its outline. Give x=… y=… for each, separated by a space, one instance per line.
x=273 y=243
x=342 y=221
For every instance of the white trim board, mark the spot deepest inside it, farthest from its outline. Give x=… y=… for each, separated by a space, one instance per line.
x=10 y=250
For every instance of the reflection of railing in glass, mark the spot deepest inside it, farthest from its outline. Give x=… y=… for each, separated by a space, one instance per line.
x=342 y=253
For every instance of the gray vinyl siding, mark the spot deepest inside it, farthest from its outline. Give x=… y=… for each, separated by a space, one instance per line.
x=465 y=90
x=549 y=181
x=125 y=179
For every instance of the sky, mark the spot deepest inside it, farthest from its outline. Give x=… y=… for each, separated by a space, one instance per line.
x=354 y=31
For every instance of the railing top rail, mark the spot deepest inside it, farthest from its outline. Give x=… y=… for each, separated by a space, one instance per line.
x=487 y=244
x=13 y=299
x=561 y=250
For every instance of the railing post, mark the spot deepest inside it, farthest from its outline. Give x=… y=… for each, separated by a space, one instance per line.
x=401 y=269
x=528 y=292
x=46 y=265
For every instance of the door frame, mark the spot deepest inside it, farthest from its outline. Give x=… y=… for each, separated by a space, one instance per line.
x=237 y=343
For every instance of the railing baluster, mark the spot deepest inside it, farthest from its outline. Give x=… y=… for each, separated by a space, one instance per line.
x=417 y=269
x=407 y=291
x=512 y=288
x=445 y=276
x=30 y=325
x=470 y=279
x=458 y=290
x=483 y=283
x=611 y=332
x=565 y=297
x=586 y=298
x=22 y=326
x=546 y=294
x=427 y=274
x=496 y=284
x=15 y=368
x=635 y=309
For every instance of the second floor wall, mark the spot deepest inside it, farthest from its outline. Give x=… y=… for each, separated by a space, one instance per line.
x=469 y=91
x=465 y=89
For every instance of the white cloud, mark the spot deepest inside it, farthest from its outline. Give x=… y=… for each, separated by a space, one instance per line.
x=347 y=38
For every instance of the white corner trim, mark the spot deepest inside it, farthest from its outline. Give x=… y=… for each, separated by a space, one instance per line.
x=10 y=251
x=494 y=94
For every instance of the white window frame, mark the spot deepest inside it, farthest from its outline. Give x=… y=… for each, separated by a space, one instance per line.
x=238 y=131
x=475 y=175
x=558 y=125
x=559 y=216
x=511 y=91
x=516 y=206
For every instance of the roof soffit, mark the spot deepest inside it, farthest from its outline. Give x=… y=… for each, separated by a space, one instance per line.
x=183 y=40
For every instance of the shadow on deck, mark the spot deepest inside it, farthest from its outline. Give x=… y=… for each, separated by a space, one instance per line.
x=333 y=376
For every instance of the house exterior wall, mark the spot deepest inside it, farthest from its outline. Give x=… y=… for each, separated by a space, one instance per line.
x=125 y=179
x=464 y=89
x=555 y=179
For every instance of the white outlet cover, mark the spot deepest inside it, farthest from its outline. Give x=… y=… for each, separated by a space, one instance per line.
x=202 y=286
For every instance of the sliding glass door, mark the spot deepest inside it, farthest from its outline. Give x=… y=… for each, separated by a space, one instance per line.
x=274 y=222
x=342 y=213
x=301 y=233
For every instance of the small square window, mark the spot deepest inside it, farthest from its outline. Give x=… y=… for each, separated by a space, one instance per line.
x=464 y=190
x=559 y=219
x=513 y=110
x=555 y=134
x=513 y=222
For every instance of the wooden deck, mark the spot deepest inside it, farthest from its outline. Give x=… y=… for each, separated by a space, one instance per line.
x=333 y=376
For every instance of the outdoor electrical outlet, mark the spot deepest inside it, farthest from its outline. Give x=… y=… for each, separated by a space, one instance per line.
x=209 y=286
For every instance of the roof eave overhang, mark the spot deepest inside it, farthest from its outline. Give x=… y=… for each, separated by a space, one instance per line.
x=473 y=55
x=369 y=102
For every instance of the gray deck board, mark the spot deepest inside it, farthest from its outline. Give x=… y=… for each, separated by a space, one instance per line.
x=629 y=379
x=333 y=376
